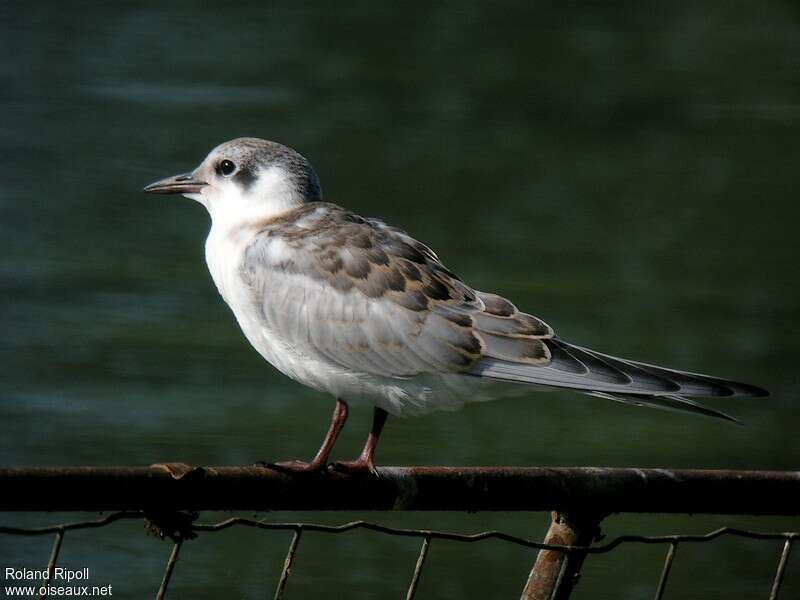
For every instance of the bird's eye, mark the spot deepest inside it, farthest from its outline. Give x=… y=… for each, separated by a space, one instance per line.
x=226 y=168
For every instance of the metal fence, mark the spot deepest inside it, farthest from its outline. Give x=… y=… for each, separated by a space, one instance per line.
x=168 y=497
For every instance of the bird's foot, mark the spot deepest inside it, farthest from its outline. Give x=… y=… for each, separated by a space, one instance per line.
x=294 y=466
x=354 y=467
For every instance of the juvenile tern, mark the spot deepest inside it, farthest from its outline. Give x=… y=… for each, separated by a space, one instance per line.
x=356 y=308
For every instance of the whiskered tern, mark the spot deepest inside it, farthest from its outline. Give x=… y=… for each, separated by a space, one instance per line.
x=361 y=310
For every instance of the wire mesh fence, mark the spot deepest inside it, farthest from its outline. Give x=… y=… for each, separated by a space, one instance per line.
x=569 y=540
x=426 y=536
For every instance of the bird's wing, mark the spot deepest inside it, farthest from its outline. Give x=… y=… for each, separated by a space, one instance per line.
x=580 y=368
x=620 y=380
x=373 y=300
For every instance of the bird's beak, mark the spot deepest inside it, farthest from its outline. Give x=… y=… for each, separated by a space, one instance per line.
x=177 y=184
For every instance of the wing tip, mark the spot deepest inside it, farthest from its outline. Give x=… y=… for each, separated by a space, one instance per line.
x=745 y=390
x=716 y=386
x=759 y=392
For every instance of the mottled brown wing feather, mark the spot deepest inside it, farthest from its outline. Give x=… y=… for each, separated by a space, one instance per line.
x=432 y=321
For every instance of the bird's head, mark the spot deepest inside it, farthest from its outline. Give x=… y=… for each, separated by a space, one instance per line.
x=246 y=178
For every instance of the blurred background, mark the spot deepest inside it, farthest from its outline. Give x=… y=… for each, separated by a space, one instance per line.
x=628 y=174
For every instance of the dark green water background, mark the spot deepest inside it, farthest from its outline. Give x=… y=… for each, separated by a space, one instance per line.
x=630 y=175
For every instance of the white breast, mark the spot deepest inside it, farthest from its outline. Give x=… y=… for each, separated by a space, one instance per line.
x=225 y=250
x=224 y=254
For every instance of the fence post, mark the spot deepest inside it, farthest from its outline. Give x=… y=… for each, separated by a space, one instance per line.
x=555 y=573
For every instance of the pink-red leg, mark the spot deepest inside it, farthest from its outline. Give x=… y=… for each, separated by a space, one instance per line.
x=320 y=460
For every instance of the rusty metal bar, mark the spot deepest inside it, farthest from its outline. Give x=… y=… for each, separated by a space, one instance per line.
x=662 y=582
x=423 y=554
x=776 y=583
x=402 y=488
x=555 y=572
x=173 y=558
x=287 y=564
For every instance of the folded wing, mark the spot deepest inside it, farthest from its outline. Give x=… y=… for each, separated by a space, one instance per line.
x=371 y=299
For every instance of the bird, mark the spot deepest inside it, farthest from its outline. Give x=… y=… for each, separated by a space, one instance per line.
x=360 y=310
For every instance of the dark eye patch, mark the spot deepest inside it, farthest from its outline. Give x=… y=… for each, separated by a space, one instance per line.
x=245 y=176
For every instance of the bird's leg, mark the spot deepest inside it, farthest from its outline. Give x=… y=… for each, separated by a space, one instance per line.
x=365 y=461
x=320 y=461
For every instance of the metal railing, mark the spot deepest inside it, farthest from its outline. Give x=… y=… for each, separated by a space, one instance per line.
x=168 y=497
